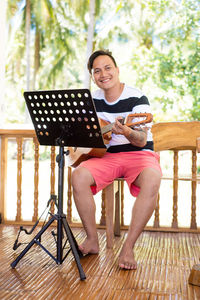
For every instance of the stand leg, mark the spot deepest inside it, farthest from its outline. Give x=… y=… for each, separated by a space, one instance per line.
x=73 y=244
x=14 y=263
x=61 y=222
x=59 y=240
x=76 y=252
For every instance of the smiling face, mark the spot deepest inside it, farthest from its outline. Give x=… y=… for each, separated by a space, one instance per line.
x=104 y=72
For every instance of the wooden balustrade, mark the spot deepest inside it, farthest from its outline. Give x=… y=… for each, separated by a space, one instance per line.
x=176 y=137
x=20 y=136
x=19 y=177
x=36 y=179
x=175 y=191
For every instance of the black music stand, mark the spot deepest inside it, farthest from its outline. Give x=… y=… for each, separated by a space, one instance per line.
x=62 y=118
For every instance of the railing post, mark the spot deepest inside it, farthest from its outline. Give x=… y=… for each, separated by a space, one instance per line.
x=36 y=179
x=175 y=191
x=3 y=177
x=156 y=223
x=19 y=178
x=193 y=224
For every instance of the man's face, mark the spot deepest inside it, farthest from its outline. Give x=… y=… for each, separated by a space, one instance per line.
x=104 y=72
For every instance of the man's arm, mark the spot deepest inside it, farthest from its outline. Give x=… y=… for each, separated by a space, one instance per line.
x=137 y=137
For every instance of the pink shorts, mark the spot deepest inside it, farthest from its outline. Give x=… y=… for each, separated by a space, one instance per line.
x=123 y=164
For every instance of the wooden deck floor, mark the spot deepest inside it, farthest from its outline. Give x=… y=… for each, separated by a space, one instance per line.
x=164 y=264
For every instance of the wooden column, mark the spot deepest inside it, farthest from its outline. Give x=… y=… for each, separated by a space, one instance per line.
x=175 y=191
x=193 y=224
x=19 y=177
x=3 y=177
x=36 y=179
x=156 y=223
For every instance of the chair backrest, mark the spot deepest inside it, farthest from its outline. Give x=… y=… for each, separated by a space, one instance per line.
x=176 y=135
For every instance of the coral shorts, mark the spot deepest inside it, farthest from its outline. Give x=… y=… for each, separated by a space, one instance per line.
x=123 y=164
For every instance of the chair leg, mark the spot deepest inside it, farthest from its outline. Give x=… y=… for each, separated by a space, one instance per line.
x=109 y=197
x=117 y=211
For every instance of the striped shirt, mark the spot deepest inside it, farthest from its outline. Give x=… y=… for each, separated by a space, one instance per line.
x=130 y=101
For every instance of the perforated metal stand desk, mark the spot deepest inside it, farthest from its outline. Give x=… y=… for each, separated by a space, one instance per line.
x=62 y=118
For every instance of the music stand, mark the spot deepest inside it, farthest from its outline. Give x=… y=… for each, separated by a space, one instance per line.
x=62 y=118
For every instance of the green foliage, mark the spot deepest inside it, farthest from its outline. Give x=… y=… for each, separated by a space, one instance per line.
x=159 y=41
x=171 y=53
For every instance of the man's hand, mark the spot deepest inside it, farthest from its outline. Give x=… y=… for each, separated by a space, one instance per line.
x=118 y=127
x=137 y=136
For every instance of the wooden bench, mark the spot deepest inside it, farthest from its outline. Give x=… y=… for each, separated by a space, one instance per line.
x=167 y=136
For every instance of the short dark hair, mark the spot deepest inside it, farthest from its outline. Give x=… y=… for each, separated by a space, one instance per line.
x=95 y=55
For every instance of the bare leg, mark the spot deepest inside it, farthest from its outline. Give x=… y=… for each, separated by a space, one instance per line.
x=81 y=181
x=149 y=183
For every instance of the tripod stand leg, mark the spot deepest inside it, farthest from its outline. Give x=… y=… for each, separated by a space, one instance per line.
x=14 y=263
x=59 y=240
x=76 y=252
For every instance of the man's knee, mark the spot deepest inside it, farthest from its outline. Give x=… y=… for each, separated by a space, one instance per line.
x=77 y=176
x=149 y=180
x=154 y=186
x=81 y=176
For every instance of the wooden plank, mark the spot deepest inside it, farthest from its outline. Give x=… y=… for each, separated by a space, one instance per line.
x=164 y=264
x=181 y=135
x=13 y=132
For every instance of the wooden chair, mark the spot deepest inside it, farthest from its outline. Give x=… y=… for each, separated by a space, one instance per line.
x=167 y=136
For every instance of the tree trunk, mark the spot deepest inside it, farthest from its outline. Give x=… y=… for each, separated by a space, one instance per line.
x=28 y=32
x=36 y=56
x=90 y=36
x=3 y=9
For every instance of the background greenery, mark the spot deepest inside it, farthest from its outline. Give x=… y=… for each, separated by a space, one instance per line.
x=156 y=45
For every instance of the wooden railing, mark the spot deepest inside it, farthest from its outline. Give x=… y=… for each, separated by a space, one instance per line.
x=174 y=137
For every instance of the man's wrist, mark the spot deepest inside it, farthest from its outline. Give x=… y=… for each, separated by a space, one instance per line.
x=136 y=136
x=129 y=133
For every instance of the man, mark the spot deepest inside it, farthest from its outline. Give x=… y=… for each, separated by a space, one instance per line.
x=130 y=155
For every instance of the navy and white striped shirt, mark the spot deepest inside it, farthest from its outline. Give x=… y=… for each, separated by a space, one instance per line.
x=130 y=101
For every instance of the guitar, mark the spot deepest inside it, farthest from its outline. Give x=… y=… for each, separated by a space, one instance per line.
x=77 y=155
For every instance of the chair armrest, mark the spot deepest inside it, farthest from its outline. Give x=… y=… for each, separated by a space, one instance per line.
x=198 y=144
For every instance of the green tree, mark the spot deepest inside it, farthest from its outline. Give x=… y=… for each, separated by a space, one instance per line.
x=157 y=42
x=39 y=21
x=167 y=54
x=3 y=7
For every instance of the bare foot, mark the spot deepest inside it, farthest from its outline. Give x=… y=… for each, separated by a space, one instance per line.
x=89 y=247
x=126 y=259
